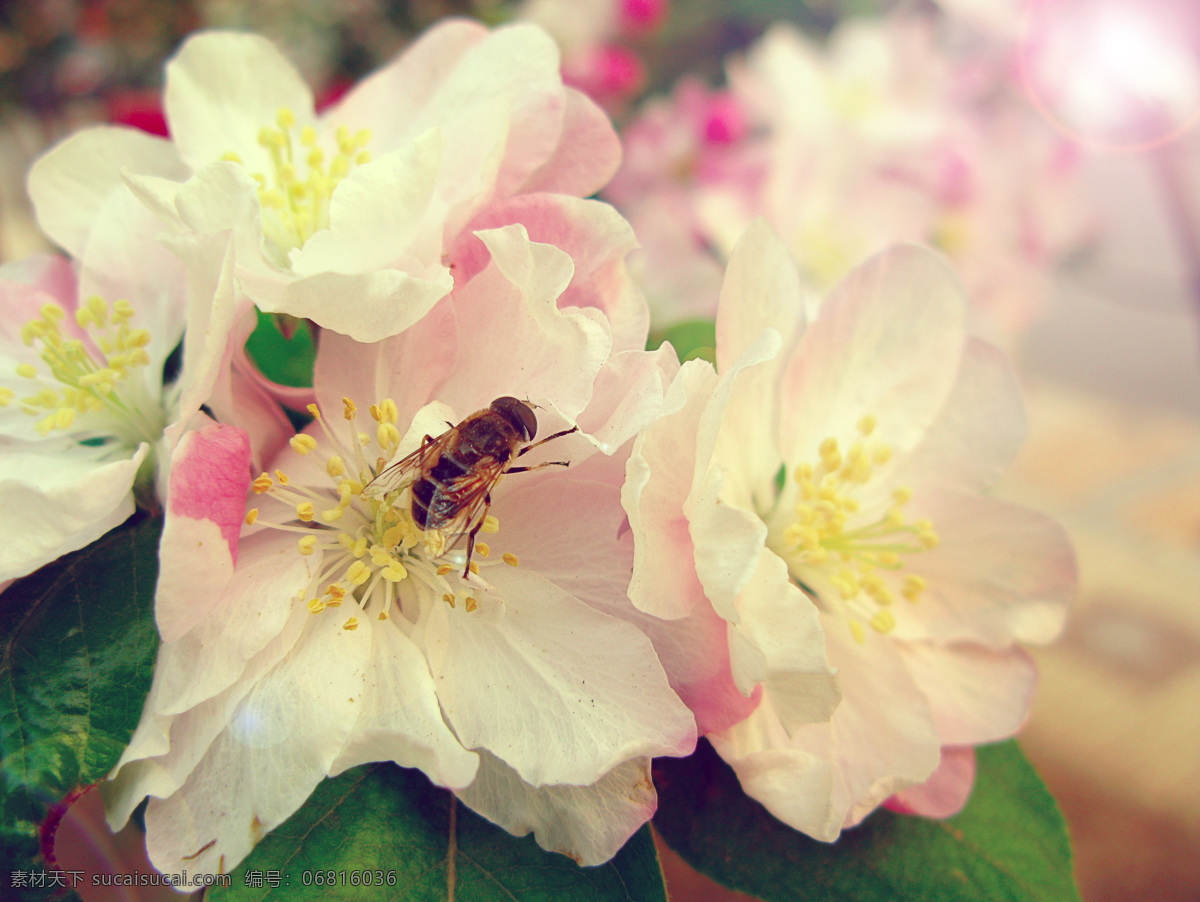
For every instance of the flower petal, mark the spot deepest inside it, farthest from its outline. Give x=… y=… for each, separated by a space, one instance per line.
x=1001 y=572
x=222 y=88
x=977 y=694
x=70 y=183
x=945 y=793
x=979 y=429
x=547 y=354
x=658 y=479
x=597 y=238
x=761 y=290
x=62 y=498
x=587 y=823
x=587 y=155
x=777 y=641
x=887 y=342
x=377 y=212
x=399 y=719
x=282 y=740
x=210 y=477
x=592 y=693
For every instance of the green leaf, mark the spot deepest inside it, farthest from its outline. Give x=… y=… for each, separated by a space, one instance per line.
x=415 y=842
x=1009 y=843
x=694 y=338
x=288 y=361
x=77 y=646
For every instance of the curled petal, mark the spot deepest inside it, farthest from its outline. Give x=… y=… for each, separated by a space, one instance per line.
x=588 y=823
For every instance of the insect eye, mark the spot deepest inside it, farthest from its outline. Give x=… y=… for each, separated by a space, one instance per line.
x=519 y=414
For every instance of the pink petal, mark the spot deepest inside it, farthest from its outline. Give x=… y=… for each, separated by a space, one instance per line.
x=945 y=793
x=597 y=239
x=587 y=156
x=977 y=694
x=210 y=476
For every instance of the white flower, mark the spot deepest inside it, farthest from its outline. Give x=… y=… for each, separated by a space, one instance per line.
x=825 y=491
x=335 y=631
x=349 y=218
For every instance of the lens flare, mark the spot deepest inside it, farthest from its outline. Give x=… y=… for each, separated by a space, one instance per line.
x=1113 y=75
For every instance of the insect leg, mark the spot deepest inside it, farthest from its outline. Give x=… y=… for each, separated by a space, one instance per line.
x=487 y=505
x=548 y=438
x=548 y=463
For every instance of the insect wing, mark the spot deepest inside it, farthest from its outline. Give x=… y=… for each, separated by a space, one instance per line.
x=408 y=469
x=456 y=508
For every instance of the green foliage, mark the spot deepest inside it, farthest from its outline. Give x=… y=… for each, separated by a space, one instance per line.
x=1008 y=844
x=286 y=360
x=389 y=827
x=694 y=338
x=77 y=646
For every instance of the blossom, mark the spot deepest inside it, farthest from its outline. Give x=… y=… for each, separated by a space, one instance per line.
x=881 y=134
x=332 y=631
x=832 y=476
x=365 y=201
x=595 y=38
x=88 y=419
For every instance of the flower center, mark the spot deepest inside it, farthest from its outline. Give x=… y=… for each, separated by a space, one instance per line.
x=853 y=563
x=295 y=194
x=92 y=390
x=372 y=552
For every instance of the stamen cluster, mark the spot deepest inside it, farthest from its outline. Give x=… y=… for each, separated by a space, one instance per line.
x=850 y=555
x=295 y=194
x=80 y=382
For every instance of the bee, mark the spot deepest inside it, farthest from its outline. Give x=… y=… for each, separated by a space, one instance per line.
x=452 y=476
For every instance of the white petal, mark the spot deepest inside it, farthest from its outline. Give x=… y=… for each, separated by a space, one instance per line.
x=62 y=499
x=979 y=429
x=591 y=691
x=376 y=213
x=366 y=306
x=210 y=307
x=722 y=513
x=587 y=823
x=761 y=290
x=69 y=184
x=797 y=782
x=281 y=742
x=887 y=342
x=400 y=720
x=658 y=479
x=222 y=88
x=165 y=748
x=778 y=642
x=977 y=694
x=1001 y=572
x=245 y=617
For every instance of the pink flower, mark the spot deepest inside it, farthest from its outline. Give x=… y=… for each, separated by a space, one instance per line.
x=823 y=497
x=334 y=631
x=364 y=201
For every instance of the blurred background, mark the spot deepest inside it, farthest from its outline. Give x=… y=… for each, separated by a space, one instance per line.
x=1047 y=147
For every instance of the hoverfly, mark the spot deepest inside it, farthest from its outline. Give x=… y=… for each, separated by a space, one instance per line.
x=452 y=476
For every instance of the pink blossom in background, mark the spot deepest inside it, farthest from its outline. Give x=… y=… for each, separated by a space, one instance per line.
x=878 y=135
x=599 y=41
x=821 y=497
